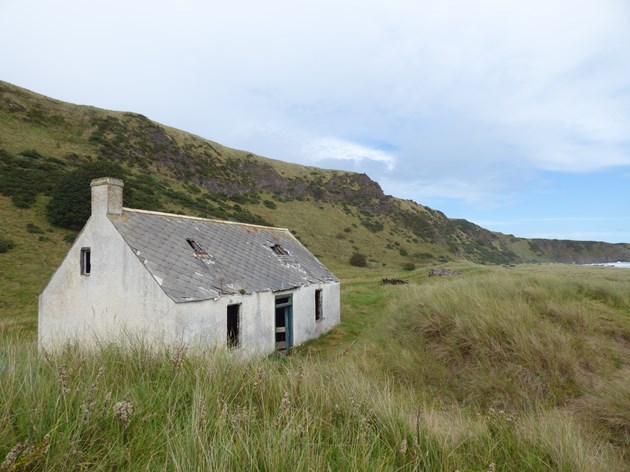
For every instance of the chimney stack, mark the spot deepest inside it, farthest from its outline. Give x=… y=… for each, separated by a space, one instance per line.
x=107 y=196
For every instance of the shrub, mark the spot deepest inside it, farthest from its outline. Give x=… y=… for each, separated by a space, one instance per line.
x=6 y=244
x=70 y=203
x=373 y=226
x=270 y=204
x=409 y=266
x=31 y=153
x=33 y=228
x=358 y=260
x=23 y=176
x=403 y=252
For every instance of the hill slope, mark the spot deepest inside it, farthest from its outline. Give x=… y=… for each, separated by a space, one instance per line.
x=42 y=139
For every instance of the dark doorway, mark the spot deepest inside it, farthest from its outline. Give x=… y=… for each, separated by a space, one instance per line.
x=233 y=312
x=284 y=323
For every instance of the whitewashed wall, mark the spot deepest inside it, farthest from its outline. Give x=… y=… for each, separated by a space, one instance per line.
x=121 y=301
x=119 y=295
x=304 y=325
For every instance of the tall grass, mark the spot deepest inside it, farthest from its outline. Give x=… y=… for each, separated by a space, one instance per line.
x=508 y=341
x=493 y=371
x=200 y=411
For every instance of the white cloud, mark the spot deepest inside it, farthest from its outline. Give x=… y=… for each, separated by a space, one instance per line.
x=608 y=236
x=325 y=149
x=560 y=219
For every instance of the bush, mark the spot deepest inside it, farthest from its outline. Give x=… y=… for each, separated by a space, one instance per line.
x=6 y=244
x=373 y=226
x=409 y=266
x=23 y=176
x=33 y=228
x=70 y=205
x=423 y=256
x=270 y=204
x=358 y=260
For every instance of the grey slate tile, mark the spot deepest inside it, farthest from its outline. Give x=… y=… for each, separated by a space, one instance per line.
x=240 y=253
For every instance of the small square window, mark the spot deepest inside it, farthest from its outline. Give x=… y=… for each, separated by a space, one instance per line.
x=86 y=261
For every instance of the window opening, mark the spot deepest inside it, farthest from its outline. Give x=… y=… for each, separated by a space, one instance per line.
x=318 y=304
x=86 y=261
x=233 y=325
x=199 y=251
x=279 y=250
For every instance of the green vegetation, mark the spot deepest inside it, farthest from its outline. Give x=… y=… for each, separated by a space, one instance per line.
x=409 y=266
x=24 y=176
x=270 y=204
x=34 y=229
x=358 y=259
x=372 y=225
x=6 y=244
x=70 y=204
x=519 y=369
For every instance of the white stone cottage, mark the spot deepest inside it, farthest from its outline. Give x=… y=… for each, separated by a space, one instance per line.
x=180 y=280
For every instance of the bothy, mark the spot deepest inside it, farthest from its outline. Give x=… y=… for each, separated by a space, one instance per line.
x=181 y=280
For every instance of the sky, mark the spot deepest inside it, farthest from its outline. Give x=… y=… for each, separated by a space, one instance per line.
x=514 y=115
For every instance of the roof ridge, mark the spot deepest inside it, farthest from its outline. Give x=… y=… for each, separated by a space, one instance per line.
x=160 y=213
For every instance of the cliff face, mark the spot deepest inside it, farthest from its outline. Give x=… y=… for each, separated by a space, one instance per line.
x=173 y=170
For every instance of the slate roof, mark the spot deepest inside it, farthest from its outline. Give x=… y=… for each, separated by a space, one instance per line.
x=238 y=257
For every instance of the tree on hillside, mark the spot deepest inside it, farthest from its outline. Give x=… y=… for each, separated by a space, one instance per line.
x=70 y=205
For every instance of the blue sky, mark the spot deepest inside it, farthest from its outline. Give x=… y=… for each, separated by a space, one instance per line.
x=514 y=115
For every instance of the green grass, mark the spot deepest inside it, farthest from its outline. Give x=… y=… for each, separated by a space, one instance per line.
x=522 y=368
x=495 y=369
x=26 y=269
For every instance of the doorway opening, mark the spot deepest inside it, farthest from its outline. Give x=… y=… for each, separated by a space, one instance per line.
x=284 y=323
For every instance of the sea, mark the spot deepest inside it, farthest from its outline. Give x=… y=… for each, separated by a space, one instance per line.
x=623 y=265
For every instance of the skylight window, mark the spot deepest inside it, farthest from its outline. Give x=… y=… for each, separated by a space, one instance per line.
x=199 y=251
x=279 y=250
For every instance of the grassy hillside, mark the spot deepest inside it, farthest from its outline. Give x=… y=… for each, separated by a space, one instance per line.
x=496 y=369
x=42 y=139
